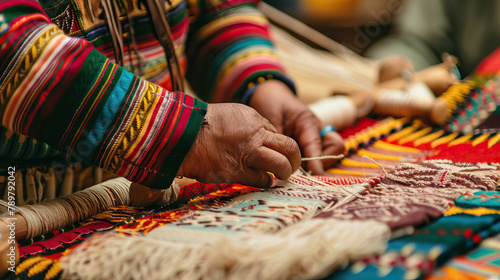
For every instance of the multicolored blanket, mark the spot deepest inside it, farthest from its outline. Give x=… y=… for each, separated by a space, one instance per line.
x=430 y=195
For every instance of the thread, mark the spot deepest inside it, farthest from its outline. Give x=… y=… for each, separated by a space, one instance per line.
x=379 y=165
x=308 y=249
x=55 y=214
x=323 y=157
x=416 y=101
x=338 y=111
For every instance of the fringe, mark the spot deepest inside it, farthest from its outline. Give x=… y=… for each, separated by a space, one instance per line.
x=305 y=250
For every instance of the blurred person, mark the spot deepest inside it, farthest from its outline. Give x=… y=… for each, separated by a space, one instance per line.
x=103 y=81
x=426 y=29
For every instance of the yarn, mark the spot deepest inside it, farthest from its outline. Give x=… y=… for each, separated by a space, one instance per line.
x=416 y=101
x=323 y=157
x=453 y=97
x=216 y=255
x=60 y=212
x=338 y=111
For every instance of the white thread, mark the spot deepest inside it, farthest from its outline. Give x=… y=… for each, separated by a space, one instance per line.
x=55 y=214
x=308 y=249
x=359 y=188
x=416 y=101
x=323 y=157
x=365 y=156
x=304 y=171
x=339 y=111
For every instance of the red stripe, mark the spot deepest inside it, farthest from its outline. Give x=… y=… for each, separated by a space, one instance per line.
x=442 y=177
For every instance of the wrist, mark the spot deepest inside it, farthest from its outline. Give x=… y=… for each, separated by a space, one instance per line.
x=270 y=91
x=258 y=83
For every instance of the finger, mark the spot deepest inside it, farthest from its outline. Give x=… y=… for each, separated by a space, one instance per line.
x=269 y=160
x=142 y=196
x=268 y=125
x=333 y=144
x=307 y=134
x=256 y=178
x=285 y=146
x=392 y=66
x=310 y=142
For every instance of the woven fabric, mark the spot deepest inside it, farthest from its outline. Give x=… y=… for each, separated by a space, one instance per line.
x=417 y=255
x=408 y=200
x=480 y=264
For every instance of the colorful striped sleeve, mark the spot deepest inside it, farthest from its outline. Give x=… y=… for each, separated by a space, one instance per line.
x=62 y=91
x=229 y=49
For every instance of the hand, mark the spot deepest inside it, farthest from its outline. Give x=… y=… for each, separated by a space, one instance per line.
x=391 y=67
x=275 y=101
x=237 y=145
x=438 y=78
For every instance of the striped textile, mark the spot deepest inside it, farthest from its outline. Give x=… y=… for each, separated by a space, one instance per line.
x=67 y=91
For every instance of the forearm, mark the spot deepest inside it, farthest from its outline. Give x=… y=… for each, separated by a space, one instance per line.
x=230 y=50
x=62 y=91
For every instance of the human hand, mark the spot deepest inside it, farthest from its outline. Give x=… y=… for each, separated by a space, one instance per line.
x=237 y=145
x=275 y=101
x=391 y=67
x=438 y=77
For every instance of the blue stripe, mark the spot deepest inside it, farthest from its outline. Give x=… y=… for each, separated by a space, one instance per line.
x=108 y=112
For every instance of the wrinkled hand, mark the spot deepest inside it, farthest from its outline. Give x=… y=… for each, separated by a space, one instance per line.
x=275 y=101
x=237 y=145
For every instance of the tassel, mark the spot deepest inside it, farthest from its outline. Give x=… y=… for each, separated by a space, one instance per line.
x=163 y=34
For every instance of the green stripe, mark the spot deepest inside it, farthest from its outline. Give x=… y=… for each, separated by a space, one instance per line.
x=174 y=160
x=90 y=120
x=68 y=103
x=17 y=11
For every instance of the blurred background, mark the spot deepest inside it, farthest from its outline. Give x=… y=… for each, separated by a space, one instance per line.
x=357 y=24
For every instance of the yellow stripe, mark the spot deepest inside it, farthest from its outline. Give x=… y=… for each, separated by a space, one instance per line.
x=379 y=129
x=53 y=271
x=460 y=140
x=428 y=138
x=493 y=141
x=372 y=155
x=247 y=55
x=142 y=133
x=354 y=163
x=395 y=148
x=155 y=70
x=415 y=135
x=443 y=140
x=347 y=172
x=480 y=139
x=135 y=125
x=350 y=144
x=39 y=267
x=220 y=23
x=27 y=264
x=402 y=133
x=474 y=211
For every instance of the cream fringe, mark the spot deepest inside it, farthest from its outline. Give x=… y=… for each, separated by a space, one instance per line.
x=305 y=250
x=63 y=211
